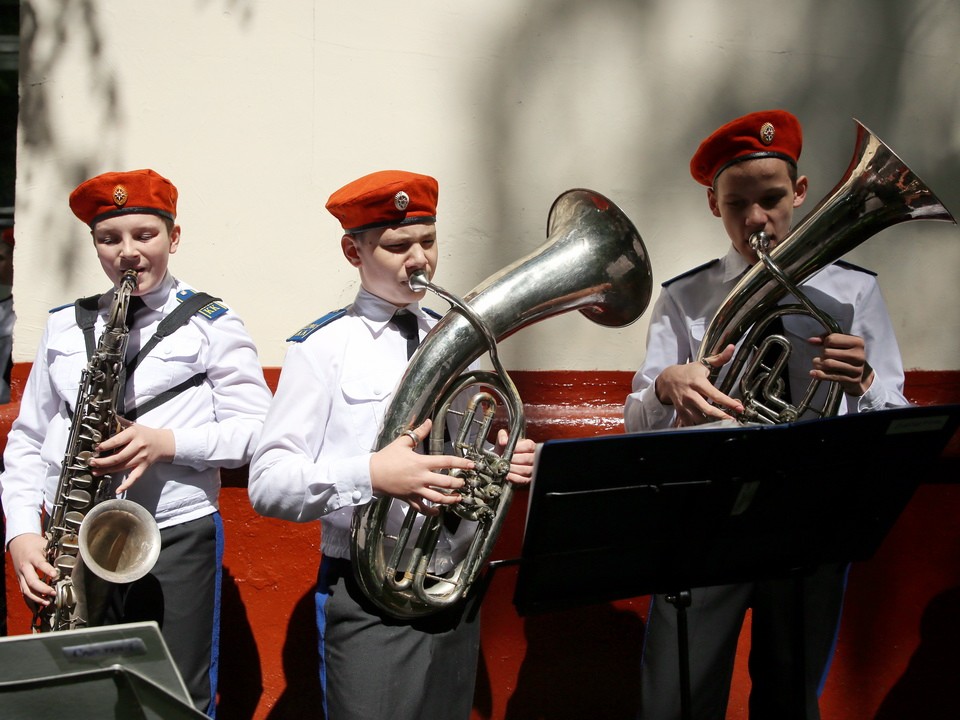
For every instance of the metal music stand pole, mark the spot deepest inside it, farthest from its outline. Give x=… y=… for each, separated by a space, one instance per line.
x=681 y=601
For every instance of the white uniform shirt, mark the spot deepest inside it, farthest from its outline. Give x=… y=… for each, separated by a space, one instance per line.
x=313 y=460
x=687 y=304
x=215 y=424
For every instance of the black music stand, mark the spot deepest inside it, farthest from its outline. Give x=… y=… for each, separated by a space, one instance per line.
x=112 y=671
x=664 y=512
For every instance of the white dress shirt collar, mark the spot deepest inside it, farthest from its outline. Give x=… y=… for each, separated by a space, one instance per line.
x=376 y=312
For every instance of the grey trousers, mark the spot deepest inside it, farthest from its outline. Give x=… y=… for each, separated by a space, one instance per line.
x=182 y=594
x=793 y=635
x=374 y=667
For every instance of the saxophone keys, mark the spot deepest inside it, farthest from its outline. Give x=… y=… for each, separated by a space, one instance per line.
x=84 y=480
x=65 y=563
x=70 y=544
x=79 y=499
x=72 y=520
x=66 y=599
x=92 y=436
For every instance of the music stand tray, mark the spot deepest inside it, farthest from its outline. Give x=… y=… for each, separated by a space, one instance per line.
x=111 y=671
x=661 y=512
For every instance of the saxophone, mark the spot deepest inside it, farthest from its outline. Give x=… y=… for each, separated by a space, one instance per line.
x=115 y=540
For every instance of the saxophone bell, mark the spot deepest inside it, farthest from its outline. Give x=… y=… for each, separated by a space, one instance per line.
x=119 y=541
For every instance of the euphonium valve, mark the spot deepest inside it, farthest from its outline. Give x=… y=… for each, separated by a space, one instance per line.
x=593 y=261
x=877 y=191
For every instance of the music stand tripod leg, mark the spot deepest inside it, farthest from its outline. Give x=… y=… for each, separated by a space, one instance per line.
x=681 y=601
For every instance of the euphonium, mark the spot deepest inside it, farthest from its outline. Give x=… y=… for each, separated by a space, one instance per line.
x=877 y=191
x=593 y=261
x=116 y=540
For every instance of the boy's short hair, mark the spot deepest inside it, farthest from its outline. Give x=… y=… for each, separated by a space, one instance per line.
x=124 y=193
x=387 y=198
x=769 y=133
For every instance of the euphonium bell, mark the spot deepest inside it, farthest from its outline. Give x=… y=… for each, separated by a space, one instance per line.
x=593 y=261
x=877 y=191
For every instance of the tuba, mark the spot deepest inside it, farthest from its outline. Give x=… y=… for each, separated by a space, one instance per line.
x=87 y=532
x=593 y=261
x=877 y=191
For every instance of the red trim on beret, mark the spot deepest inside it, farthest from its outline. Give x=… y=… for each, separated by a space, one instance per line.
x=384 y=199
x=123 y=193
x=769 y=133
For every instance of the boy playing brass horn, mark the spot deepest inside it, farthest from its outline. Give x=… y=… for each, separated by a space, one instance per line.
x=749 y=169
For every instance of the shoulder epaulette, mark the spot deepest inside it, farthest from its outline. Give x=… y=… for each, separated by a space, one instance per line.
x=694 y=271
x=210 y=311
x=59 y=308
x=432 y=313
x=851 y=266
x=308 y=330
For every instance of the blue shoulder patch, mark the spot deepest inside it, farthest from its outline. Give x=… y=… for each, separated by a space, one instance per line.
x=308 y=330
x=211 y=311
x=432 y=313
x=851 y=266
x=59 y=308
x=695 y=270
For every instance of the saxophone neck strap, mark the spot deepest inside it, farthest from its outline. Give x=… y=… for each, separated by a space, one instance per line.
x=175 y=320
x=160 y=399
x=170 y=324
x=86 y=311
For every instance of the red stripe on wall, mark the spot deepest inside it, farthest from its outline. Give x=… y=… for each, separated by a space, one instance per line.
x=897 y=649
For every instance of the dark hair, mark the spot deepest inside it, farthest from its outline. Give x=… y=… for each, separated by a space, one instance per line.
x=792 y=172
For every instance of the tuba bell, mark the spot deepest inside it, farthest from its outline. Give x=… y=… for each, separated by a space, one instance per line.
x=877 y=191
x=593 y=261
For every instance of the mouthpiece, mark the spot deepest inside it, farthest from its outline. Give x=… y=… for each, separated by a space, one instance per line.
x=760 y=242
x=130 y=277
x=419 y=281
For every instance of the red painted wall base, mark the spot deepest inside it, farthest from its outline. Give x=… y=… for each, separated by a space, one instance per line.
x=897 y=650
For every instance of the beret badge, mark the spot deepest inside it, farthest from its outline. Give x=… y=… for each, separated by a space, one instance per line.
x=119 y=196
x=401 y=200
x=767 y=133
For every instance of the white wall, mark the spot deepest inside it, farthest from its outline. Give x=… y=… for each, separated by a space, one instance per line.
x=259 y=109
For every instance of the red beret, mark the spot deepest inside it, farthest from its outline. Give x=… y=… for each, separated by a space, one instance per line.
x=385 y=199
x=122 y=193
x=770 y=133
